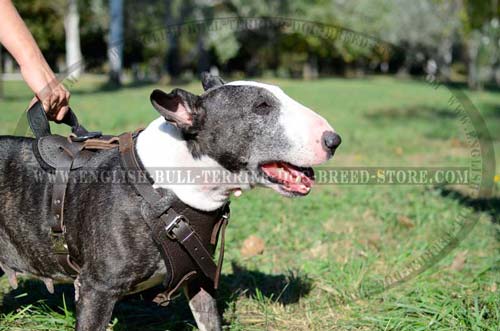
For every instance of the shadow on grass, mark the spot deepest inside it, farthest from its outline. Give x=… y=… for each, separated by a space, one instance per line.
x=138 y=312
x=490 y=206
x=489 y=87
x=423 y=112
x=15 y=98
x=97 y=88
x=493 y=109
x=436 y=122
x=108 y=87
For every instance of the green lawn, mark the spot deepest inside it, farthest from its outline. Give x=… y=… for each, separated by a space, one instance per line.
x=322 y=248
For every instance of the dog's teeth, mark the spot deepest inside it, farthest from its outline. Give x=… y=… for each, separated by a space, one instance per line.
x=298 y=180
x=77 y=285
x=11 y=276
x=12 y=280
x=49 y=284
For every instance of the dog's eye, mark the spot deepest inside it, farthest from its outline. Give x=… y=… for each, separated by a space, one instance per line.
x=263 y=108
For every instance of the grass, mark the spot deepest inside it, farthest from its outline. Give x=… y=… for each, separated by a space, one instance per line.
x=320 y=249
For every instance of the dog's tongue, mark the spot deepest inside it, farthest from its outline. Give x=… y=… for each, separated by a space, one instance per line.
x=292 y=178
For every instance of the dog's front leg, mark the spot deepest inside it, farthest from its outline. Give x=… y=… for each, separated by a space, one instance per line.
x=201 y=296
x=94 y=307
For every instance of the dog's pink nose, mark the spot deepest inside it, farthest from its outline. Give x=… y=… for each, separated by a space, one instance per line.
x=331 y=141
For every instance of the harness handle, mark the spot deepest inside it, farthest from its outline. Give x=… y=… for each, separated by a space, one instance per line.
x=39 y=124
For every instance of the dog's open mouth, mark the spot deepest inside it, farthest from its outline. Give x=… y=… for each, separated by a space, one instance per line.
x=287 y=178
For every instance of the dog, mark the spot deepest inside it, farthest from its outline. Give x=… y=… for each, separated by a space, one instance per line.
x=241 y=127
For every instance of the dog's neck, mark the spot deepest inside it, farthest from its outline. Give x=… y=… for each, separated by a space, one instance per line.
x=166 y=157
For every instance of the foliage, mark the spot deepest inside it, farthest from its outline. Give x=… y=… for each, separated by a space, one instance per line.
x=441 y=31
x=46 y=24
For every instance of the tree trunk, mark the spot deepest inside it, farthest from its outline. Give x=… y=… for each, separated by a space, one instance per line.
x=74 y=61
x=205 y=13
x=8 y=63
x=174 y=63
x=472 y=53
x=404 y=69
x=445 y=58
x=173 y=56
x=172 y=60
x=115 y=43
x=310 y=69
x=203 y=58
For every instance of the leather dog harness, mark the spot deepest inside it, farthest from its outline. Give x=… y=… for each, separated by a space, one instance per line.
x=186 y=237
x=179 y=238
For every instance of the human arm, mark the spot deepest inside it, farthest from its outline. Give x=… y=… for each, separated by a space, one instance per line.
x=17 y=39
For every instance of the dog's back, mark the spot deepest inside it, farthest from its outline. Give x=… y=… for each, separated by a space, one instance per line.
x=101 y=212
x=18 y=178
x=24 y=218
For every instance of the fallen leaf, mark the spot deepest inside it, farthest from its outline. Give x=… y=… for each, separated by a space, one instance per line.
x=329 y=226
x=493 y=287
x=374 y=240
x=368 y=214
x=328 y=289
x=319 y=251
x=459 y=261
x=252 y=246
x=398 y=151
x=457 y=143
x=406 y=221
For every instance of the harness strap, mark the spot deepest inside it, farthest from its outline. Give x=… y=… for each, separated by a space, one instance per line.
x=101 y=143
x=58 y=230
x=39 y=123
x=172 y=225
x=165 y=223
x=68 y=154
x=224 y=221
x=178 y=228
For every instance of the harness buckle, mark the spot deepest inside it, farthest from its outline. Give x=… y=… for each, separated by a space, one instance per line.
x=59 y=245
x=85 y=136
x=170 y=228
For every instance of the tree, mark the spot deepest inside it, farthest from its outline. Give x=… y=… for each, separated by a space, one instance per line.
x=74 y=60
x=173 y=54
x=426 y=29
x=115 y=42
x=45 y=21
x=174 y=24
x=481 y=34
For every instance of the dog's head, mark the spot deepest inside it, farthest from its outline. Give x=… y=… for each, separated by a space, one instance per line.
x=253 y=128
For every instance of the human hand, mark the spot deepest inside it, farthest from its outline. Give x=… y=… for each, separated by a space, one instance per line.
x=15 y=36
x=49 y=91
x=55 y=103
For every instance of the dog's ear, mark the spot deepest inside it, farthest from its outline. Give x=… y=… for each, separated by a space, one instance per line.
x=179 y=108
x=209 y=81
